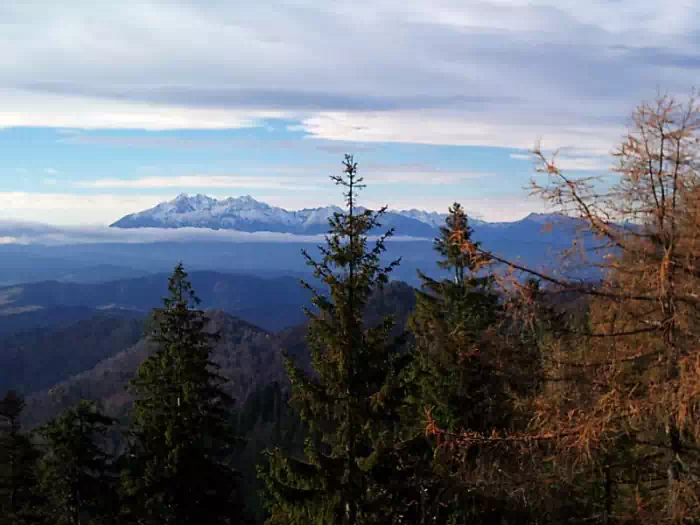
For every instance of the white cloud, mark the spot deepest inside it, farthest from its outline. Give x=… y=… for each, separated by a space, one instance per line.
x=307 y=177
x=568 y=162
x=23 y=233
x=573 y=163
x=26 y=108
x=418 y=174
x=103 y=234
x=476 y=72
x=71 y=209
x=458 y=129
x=492 y=208
x=521 y=156
x=51 y=171
x=196 y=182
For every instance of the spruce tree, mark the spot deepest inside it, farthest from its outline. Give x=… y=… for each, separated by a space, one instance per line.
x=76 y=474
x=351 y=399
x=181 y=436
x=458 y=380
x=19 y=494
x=450 y=322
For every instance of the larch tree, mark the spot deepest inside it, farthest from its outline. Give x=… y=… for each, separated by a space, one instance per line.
x=623 y=389
x=180 y=435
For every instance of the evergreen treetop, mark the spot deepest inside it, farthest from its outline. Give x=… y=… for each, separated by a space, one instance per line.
x=350 y=401
x=181 y=434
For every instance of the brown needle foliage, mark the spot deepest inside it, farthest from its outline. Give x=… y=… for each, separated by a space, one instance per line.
x=639 y=350
x=621 y=405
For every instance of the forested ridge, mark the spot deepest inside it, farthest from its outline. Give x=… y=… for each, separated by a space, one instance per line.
x=500 y=394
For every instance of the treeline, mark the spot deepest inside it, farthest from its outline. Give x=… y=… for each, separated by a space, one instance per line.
x=512 y=396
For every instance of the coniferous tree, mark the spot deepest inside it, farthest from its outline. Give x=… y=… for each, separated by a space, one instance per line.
x=181 y=435
x=350 y=401
x=19 y=494
x=76 y=475
x=467 y=368
x=449 y=377
x=451 y=324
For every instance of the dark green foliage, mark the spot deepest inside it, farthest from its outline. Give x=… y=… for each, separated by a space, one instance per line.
x=453 y=326
x=38 y=359
x=77 y=477
x=266 y=421
x=19 y=494
x=450 y=245
x=180 y=435
x=351 y=400
x=457 y=379
x=248 y=357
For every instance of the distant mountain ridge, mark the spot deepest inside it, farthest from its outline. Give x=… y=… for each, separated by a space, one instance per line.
x=249 y=215
x=248 y=356
x=273 y=304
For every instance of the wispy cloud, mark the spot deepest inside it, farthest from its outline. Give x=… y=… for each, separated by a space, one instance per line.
x=34 y=109
x=28 y=233
x=572 y=162
x=289 y=177
x=418 y=174
x=455 y=128
x=429 y=72
x=13 y=232
x=196 y=182
x=521 y=156
x=59 y=208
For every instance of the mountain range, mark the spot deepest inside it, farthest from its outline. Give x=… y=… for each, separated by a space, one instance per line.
x=272 y=304
x=95 y=357
x=249 y=215
x=528 y=241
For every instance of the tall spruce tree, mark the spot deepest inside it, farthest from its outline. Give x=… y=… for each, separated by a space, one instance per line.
x=19 y=494
x=181 y=435
x=450 y=322
x=457 y=378
x=76 y=474
x=350 y=400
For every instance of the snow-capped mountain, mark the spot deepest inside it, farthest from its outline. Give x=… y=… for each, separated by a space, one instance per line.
x=249 y=215
x=242 y=213
x=432 y=218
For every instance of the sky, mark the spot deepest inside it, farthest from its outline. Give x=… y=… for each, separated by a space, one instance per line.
x=107 y=108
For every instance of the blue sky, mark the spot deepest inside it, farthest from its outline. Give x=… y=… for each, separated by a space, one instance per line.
x=108 y=110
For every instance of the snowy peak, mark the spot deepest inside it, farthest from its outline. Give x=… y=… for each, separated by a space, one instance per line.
x=183 y=203
x=543 y=218
x=432 y=218
x=247 y=214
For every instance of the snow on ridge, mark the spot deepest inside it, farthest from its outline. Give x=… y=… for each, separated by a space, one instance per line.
x=246 y=214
